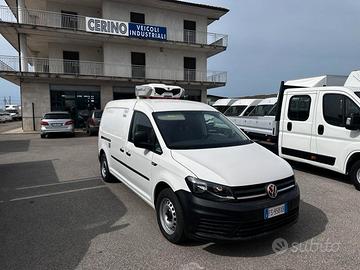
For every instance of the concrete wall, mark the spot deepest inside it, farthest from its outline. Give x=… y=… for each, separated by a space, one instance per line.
x=173 y=20
x=39 y=94
x=160 y=63
x=82 y=10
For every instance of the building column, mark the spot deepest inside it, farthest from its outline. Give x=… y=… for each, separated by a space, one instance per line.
x=204 y=95
x=106 y=95
x=21 y=11
x=23 y=52
x=39 y=95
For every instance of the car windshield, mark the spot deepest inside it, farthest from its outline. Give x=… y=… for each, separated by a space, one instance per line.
x=235 y=110
x=198 y=130
x=57 y=116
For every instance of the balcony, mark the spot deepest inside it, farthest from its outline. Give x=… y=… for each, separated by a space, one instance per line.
x=78 y=23
x=100 y=70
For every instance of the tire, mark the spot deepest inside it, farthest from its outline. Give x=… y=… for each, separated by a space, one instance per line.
x=104 y=170
x=355 y=174
x=170 y=216
x=43 y=136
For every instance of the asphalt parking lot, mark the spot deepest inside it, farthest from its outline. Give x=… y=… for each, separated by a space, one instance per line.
x=56 y=213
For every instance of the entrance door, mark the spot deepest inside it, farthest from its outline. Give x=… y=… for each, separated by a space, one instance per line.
x=297 y=125
x=189 y=68
x=138 y=63
x=71 y=62
x=189 y=31
x=332 y=138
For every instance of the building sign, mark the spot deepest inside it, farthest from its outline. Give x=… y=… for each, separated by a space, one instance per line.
x=107 y=26
x=144 y=31
x=135 y=30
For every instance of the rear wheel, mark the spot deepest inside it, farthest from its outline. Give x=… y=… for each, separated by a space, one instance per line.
x=43 y=136
x=355 y=174
x=104 y=170
x=170 y=216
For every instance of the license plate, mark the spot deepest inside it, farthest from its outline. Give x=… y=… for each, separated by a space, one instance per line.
x=275 y=211
x=56 y=125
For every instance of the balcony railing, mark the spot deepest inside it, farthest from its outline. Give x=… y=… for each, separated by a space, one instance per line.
x=77 y=22
x=70 y=67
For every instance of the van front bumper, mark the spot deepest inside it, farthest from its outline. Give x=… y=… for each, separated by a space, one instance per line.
x=228 y=221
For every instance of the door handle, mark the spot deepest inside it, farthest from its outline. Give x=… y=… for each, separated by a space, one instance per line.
x=320 y=129
x=153 y=163
x=289 y=126
x=122 y=150
x=128 y=154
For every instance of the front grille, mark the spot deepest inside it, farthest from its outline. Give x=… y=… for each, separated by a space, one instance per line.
x=240 y=229
x=259 y=190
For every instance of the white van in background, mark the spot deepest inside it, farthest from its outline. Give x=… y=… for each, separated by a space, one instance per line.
x=197 y=169
x=223 y=104
x=264 y=107
x=241 y=107
x=315 y=125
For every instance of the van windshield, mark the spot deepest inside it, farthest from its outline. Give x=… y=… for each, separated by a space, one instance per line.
x=198 y=130
x=235 y=110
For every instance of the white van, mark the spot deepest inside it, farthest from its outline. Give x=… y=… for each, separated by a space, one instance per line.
x=316 y=125
x=264 y=107
x=241 y=107
x=223 y=104
x=196 y=168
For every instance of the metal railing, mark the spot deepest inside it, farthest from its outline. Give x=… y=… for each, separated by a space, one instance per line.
x=77 y=22
x=74 y=67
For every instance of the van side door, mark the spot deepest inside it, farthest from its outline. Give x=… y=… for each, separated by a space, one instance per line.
x=333 y=141
x=296 y=128
x=138 y=160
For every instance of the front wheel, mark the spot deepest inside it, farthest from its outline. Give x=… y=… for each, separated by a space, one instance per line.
x=355 y=174
x=170 y=216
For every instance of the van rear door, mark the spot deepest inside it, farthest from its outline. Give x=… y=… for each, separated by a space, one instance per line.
x=296 y=127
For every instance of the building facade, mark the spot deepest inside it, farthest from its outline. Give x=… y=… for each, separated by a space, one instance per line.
x=78 y=56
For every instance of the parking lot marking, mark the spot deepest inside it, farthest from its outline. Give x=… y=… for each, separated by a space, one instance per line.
x=56 y=193
x=56 y=184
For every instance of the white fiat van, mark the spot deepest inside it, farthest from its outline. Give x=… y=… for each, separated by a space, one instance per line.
x=204 y=177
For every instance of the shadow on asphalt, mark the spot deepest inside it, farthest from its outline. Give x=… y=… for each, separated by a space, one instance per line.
x=47 y=224
x=14 y=146
x=312 y=222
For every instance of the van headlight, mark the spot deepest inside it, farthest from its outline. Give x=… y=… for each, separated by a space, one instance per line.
x=209 y=190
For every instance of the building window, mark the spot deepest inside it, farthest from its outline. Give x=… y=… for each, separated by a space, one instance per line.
x=299 y=108
x=137 y=17
x=189 y=68
x=71 y=62
x=336 y=108
x=138 y=65
x=189 y=31
x=69 y=19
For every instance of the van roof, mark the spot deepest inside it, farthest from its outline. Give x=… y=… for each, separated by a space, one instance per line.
x=224 y=102
x=268 y=101
x=161 y=105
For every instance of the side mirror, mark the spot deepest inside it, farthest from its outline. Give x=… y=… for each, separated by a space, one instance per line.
x=353 y=122
x=142 y=140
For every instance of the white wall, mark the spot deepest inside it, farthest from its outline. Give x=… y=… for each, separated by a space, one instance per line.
x=165 y=64
x=174 y=21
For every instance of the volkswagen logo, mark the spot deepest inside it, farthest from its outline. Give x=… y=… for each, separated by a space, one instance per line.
x=272 y=191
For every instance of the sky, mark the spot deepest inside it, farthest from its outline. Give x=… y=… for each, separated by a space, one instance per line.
x=271 y=41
